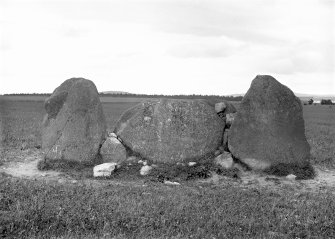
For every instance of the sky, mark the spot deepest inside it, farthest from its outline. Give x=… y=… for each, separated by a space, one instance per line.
x=167 y=46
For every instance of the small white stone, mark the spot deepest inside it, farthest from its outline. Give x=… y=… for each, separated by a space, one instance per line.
x=291 y=177
x=225 y=160
x=191 y=163
x=61 y=180
x=114 y=140
x=171 y=183
x=147 y=118
x=104 y=170
x=145 y=170
x=112 y=135
x=131 y=159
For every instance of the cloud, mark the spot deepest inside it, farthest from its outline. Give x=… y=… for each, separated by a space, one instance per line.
x=4 y=46
x=205 y=47
x=72 y=32
x=233 y=18
x=166 y=46
x=327 y=3
x=217 y=18
x=302 y=57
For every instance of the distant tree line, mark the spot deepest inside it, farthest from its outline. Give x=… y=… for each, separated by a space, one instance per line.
x=322 y=102
x=28 y=94
x=193 y=96
x=326 y=102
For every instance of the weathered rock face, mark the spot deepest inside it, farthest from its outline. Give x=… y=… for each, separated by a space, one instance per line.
x=74 y=126
x=171 y=130
x=220 y=106
x=268 y=129
x=226 y=111
x=113 y=151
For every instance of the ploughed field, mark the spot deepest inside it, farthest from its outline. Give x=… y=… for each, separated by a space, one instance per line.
x=140 y=208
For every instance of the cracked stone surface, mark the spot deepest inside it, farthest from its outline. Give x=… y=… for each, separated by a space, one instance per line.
x=171 y=131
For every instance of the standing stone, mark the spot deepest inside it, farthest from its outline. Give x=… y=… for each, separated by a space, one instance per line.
x=171 y=131
x=268 y=129
x=113 y=151
x=74 y=126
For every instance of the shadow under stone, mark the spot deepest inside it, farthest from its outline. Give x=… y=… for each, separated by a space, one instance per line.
x=302 y=172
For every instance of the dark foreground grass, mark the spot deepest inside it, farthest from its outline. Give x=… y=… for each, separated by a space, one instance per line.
x=30 y=209
x=305 y=171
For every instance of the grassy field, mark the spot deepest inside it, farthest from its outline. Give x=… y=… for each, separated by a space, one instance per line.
x=146 y=209
x=320 y=133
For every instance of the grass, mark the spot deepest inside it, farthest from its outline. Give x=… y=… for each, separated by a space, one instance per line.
x=147 y=208
x=320 y=133
x=42 y=210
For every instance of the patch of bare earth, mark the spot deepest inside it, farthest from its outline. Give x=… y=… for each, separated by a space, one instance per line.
x=23 y=164
x=324 y=181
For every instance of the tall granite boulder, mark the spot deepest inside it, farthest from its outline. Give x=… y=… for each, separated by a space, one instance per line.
x=268 y=130
x=171 y=131
x=74 y=127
